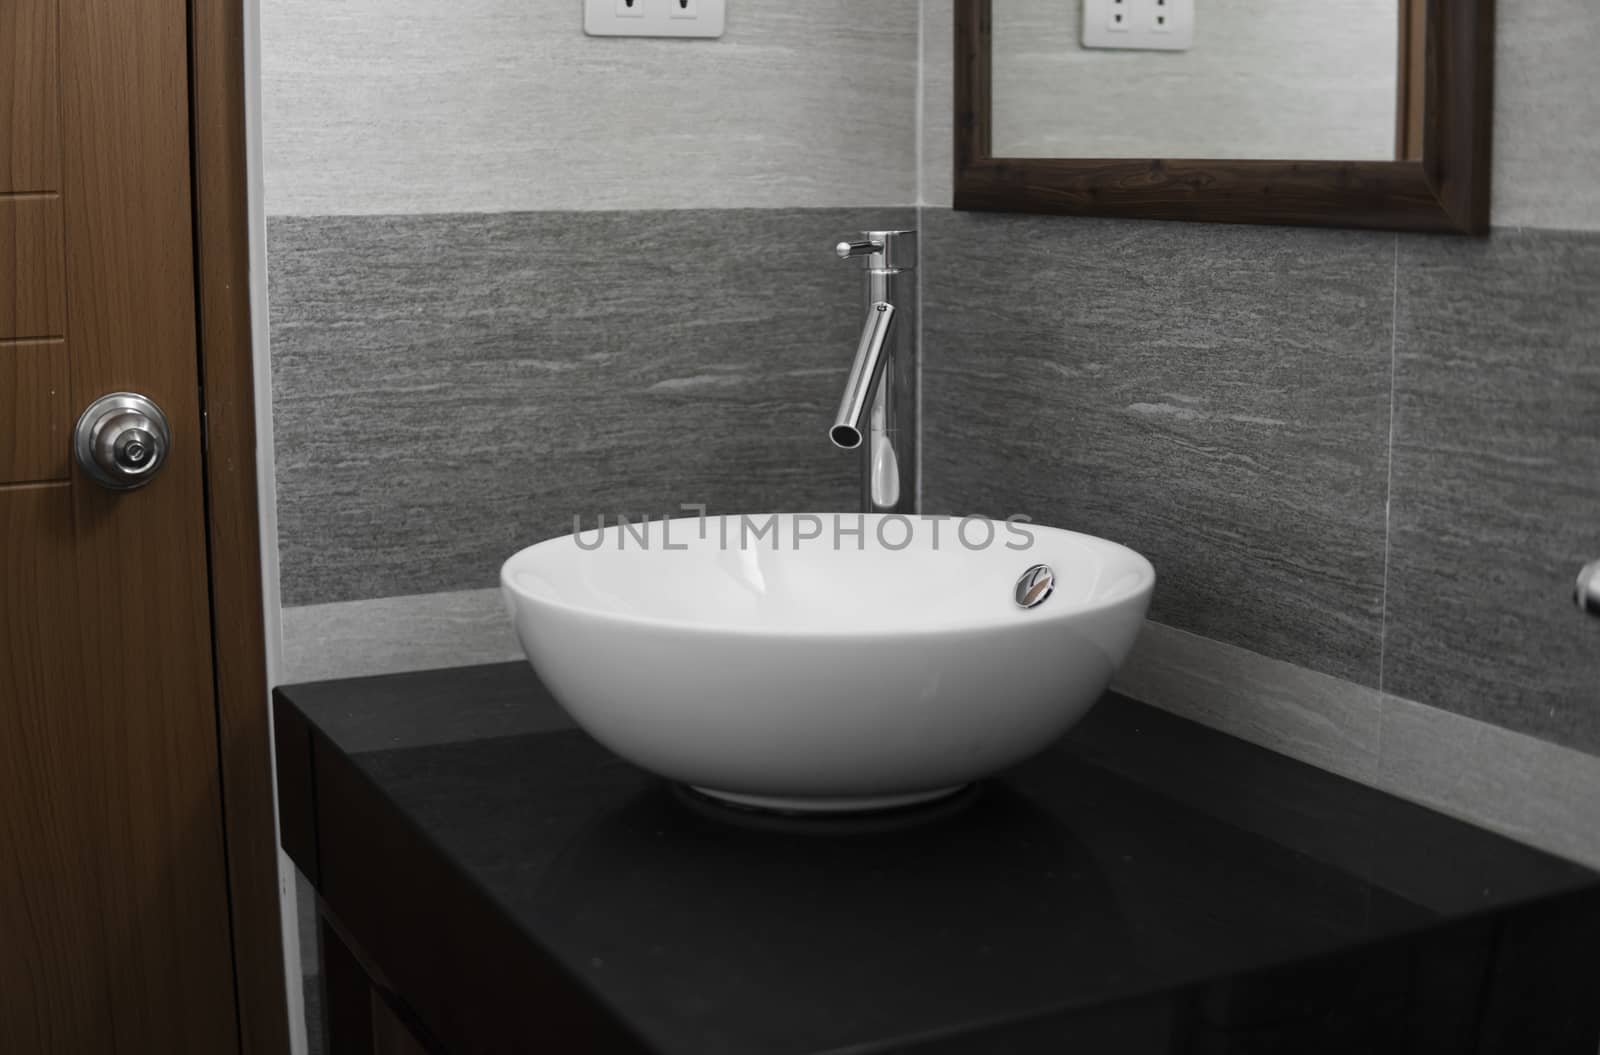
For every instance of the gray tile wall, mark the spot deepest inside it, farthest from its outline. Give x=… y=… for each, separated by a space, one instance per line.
x=1373 y=456
x=1216 y=397
x=451 y=388
x=1496 y=486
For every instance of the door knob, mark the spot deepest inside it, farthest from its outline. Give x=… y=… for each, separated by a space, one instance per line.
x=122 y=441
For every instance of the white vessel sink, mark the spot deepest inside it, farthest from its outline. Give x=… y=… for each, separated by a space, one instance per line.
x=788 y=673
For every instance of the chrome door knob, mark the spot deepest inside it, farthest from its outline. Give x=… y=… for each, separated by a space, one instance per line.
x=122 y=441
x=1588 y=589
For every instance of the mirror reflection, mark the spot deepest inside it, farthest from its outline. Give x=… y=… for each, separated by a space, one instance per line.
x=1207 y=79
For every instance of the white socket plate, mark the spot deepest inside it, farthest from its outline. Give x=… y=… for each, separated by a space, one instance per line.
x=654 y=18
x=1139 y=25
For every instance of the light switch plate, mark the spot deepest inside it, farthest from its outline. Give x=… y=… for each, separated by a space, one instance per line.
x=655 y=18
x=1139 y=25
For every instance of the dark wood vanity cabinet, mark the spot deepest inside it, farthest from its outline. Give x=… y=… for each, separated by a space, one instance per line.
x=359 y=1016
x=491 y=880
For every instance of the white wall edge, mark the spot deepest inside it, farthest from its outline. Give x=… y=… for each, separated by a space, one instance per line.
x=267 y=497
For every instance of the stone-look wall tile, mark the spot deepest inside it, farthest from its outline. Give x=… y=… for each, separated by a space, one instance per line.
x=405 y=106
x=1215 y=397
x=388 y=635
x=1519 y=786
x=1326 y=721
x=1496 y=489
x=449 y=389
x=1547 y=114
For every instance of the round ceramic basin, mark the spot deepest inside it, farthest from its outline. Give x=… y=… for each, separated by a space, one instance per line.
x=830 y=661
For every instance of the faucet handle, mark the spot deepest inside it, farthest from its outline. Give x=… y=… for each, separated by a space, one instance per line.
x=846 y=250
x=884 y=250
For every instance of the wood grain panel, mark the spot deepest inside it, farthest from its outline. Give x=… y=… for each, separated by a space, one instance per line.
x=30 y=127
x=346 y=995
x=48 y=728
x=35 y=404
x=463 y=949
x=33 y=299
x=222 y=234
x=1412 y=102
x=117 y=741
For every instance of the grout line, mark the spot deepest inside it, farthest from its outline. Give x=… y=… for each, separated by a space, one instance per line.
x=922 y=306
x=922 y=356
x=1388 y=485
x=921 y=102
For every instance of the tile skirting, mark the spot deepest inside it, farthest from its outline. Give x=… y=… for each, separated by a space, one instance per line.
x=387 y=635
x=1529 y=789
x=1328 y=722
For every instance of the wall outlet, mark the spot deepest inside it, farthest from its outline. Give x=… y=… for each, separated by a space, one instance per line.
x=1139 y=25
x=654 y=18
x=1117 y=12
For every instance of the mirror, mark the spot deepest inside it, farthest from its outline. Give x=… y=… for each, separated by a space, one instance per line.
x=1366 y=113
x=1256 y=79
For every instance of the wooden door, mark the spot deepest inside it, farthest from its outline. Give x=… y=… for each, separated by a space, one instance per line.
x=114 y=925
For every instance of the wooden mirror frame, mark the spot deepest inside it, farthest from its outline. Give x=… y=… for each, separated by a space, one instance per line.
x=1444 y=187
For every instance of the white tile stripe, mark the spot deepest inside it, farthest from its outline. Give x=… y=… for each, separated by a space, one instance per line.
x=1531 y=790
x=1326 y=721
x=1528 y=789
x=418 y=106
x=350 y=639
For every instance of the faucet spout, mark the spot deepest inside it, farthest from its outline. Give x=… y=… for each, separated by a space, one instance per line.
x=878 y=415
x=851 y=423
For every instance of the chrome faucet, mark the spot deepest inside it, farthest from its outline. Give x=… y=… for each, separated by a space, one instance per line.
x=879 y=410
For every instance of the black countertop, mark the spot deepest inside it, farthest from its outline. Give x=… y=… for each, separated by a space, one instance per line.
x=1145 y=884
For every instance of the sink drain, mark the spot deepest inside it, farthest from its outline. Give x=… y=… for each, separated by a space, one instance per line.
x=1035 y=586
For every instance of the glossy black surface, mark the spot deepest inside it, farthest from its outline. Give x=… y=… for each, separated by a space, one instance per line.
x=1144 y=885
